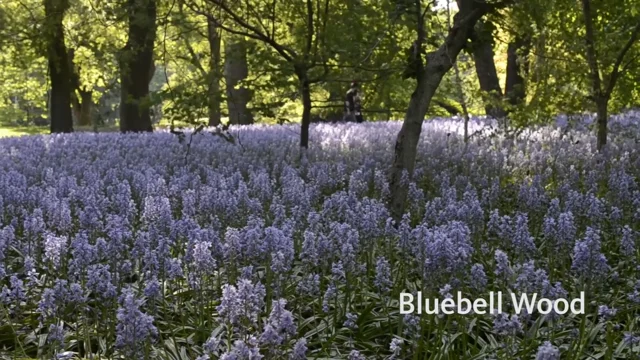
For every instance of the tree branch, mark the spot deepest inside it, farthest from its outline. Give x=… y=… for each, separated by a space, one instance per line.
x=252 y=32
x=616 y=67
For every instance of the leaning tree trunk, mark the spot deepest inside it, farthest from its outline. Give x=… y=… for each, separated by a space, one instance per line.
x=436 y=66
x=483 y=58
x=136 y=66
x=516 y=63
x=214 y=73
x=236 y=70
x=60 y=75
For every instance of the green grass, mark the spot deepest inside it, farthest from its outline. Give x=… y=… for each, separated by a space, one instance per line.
x=9 y=131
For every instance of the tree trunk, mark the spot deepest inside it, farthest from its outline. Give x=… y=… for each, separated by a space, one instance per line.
x=305 y=92
x=86 y=107
x=60 y=116
x=436 y=66
x=136 y=66
x=214 y=73
x=486 y=71
x=516 y=63
x=236 y=70
x=76 y=108
x=602 y=121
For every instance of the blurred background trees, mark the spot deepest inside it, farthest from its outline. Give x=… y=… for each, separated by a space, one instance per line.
x=134 y=64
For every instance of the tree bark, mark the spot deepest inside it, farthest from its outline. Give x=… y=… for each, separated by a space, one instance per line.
x=483 y=57
x=60 y=116
x=436 y=66
x=305 y=92
x=86 y=107
x=602 y=120
x=236 y=70
x=516 y=62
x=81 y=107
x=214 y=73
x=136 y=66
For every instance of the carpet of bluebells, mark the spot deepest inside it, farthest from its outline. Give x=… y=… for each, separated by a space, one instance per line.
x=145 y=247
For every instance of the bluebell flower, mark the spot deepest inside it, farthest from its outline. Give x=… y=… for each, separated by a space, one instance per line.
x=212 y=345
x=329 y=295
x=351 y=322
x=503 y=325
x=56 y=336
x=309 y=285
x=153 y=288
x=54 y=248
x=566 y=231
x=383 y=275
x=445 y=291
x=309 y=252
x=606 y=313
x=503 y=267
x=134 y=328
x=628 y=242
x=547 y=351
x=396 y=346
x=630 y=339
x=522 y=241
x=282 y=319
x=17 y=293
x=174 y=269
x=478 y=279
x=337 y=272
x=270 y=336
x=446 y=251
x=243 y=351
x=356 y=355
x=202 y=258
x=588 y=261
x=55 y=299
x=99 y=281
x=411 y=325
x=247 y=272
x=242 y=303
x=299 y=350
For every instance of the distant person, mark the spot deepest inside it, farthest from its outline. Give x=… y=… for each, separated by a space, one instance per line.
x=353 y=104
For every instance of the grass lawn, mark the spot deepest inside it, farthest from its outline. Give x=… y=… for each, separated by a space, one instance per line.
x=8 y=131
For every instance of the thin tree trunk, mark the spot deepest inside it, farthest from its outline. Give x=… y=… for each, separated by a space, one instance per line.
x=483 y=57
x=305 y=92
x=60 y=116
x=136 y=66
x=463 y=102
x=602 y=120
x=214 y=73
x=516 y=63
x=236 y=70
x=601 y=94
x=436 y=66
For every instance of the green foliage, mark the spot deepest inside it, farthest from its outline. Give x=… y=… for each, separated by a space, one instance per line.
x=368 y=41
